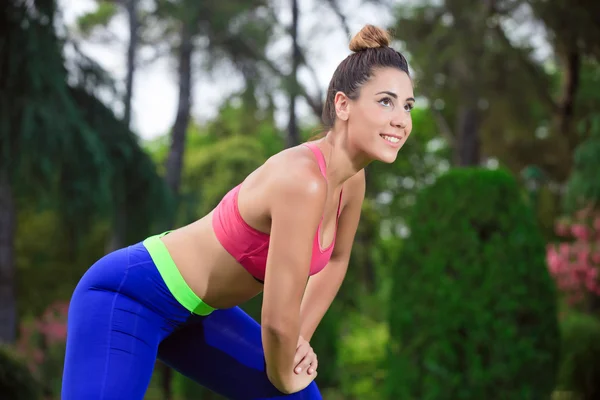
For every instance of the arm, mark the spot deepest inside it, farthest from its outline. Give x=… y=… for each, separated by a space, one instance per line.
x=296 y=203
x=323 y=287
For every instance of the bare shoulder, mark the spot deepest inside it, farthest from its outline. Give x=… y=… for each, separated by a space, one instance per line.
x=293 y=177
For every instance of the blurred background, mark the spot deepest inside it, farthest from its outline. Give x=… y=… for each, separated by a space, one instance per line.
x=475 y=268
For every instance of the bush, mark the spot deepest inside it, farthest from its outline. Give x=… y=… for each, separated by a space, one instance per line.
x=474 y=309
x=16 y=381
x=362 y=357
x=580 y=356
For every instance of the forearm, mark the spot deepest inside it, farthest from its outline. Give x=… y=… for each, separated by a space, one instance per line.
x=279 y=345
x=320 y=293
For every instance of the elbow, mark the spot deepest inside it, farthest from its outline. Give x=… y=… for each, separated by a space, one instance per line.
x=283 y=383
x=286 y=390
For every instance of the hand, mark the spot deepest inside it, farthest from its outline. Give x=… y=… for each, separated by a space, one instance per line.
x=305 y=359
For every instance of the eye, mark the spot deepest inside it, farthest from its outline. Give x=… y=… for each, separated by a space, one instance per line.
x=408 y=107
x=386 y=102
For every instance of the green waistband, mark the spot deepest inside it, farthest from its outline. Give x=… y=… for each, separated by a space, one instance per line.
x=172 y=277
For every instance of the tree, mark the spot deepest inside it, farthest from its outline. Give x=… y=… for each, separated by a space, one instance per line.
x=470 y=66
x=293 y=133
x=56 y=142
x=87 y=23
x=474 y=308
x=38 y=146
x=184 y=24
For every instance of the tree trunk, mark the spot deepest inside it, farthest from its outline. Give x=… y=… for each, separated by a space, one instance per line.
x=131 y=57
x=571 y=64
x=8 y=301
x=467 y=150
x=118 y=237
x=293 y=138
x=175 y=158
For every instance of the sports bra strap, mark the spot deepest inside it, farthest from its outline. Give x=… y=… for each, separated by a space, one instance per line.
x=320 y=158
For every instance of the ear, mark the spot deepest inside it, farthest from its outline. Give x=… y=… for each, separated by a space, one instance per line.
x=342 y=105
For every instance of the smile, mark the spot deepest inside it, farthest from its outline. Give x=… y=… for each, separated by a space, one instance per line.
x=390 y=138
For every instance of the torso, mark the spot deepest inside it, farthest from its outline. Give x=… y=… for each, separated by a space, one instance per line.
x=211 y=272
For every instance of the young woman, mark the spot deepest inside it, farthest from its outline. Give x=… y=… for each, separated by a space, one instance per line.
x=174 y=296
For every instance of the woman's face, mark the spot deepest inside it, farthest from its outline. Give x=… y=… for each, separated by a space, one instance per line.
x=379 y=120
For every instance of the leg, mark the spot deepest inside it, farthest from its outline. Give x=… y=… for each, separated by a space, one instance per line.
x=116 y=320
x=108 y=355
x=224 y=353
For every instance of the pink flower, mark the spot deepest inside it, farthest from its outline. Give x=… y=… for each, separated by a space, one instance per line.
x=580 y=231
x=55 y=332
x=597 y=224
x=574 y=261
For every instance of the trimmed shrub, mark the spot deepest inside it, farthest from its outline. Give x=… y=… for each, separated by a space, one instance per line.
x=16 y=381
x=580 y=356
x=473 y=306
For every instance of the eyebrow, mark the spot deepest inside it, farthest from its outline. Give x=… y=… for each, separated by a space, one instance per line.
x=394 y=95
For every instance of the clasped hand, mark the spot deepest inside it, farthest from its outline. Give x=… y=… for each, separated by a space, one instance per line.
x=305 y=359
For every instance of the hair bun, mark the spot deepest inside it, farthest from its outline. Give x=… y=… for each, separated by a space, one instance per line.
x=369 y=37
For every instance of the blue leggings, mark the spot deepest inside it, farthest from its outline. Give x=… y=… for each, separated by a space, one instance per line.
x=123 y=317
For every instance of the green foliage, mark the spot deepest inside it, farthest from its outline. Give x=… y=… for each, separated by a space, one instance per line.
x=359 y=291
x=16 y=381
x=43 y=139
x=101 y=16
x=569 y=22
x=61 y=144
x=43 y=254
x=580 y=356
x=468 y=56
x=72 y=162
x=326 y=344
x=583 y=187
x=220 y=154
x=474 y=313
x=362 y=356
x=234 y=32
x=211 y=171
x=134 y=180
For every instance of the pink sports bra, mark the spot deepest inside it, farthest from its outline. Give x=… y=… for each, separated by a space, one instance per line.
x=250 y=246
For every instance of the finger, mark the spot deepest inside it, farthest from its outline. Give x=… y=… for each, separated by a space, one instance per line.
x=306 y=361
x=312 y=368
x=300 y=366
x=301 y=352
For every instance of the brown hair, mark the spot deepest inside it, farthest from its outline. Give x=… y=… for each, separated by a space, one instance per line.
x=371 y=50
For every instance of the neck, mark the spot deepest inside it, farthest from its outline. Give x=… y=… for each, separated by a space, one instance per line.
x=343 y=161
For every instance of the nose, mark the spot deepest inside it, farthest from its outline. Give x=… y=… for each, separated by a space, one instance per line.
x=400 y=120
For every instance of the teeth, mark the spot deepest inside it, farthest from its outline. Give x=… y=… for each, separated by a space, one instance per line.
x=390 y=139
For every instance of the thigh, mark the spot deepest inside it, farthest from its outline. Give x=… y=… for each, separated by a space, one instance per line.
x=112 y=341
x=224 y=353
